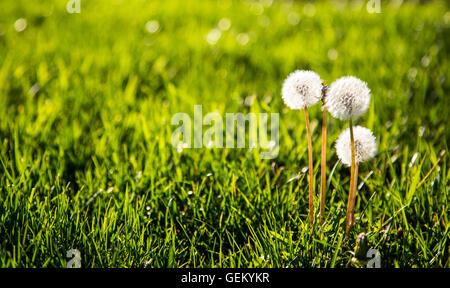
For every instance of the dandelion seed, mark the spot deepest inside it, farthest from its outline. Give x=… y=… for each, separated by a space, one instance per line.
x=348 y=98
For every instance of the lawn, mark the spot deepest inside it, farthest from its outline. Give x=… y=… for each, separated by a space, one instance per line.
x=87 y=163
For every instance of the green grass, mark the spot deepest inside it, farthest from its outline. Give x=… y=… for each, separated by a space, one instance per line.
x=87 y=162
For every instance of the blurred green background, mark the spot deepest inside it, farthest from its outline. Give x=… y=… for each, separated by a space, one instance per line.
x=86 y=160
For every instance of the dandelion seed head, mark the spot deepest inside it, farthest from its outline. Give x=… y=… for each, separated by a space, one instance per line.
x=302 y=89
x=348 y=98
x=365 y=145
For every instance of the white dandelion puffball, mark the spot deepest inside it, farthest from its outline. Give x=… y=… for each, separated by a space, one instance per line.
x=365 y=145
x=302 y=89
x=347 y=98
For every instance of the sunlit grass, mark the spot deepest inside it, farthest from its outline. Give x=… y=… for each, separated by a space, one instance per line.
x=86 y=160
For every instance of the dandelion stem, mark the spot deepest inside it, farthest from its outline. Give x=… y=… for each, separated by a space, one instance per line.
x=352 y=181
x=310 y=169
x=355 y=185
x=323 y=180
